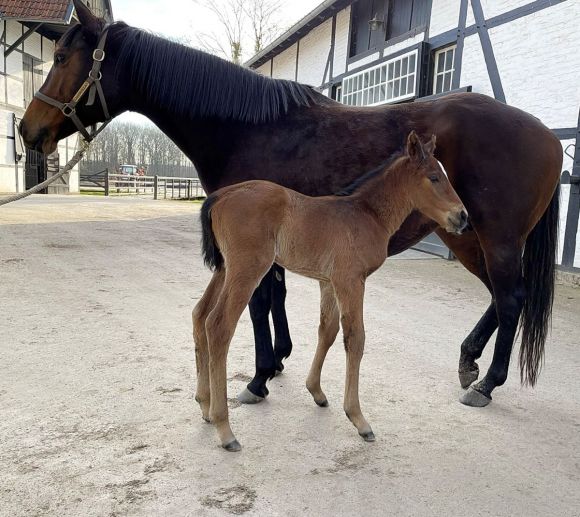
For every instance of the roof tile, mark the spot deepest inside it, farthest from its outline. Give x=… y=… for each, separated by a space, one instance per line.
x=41 y=10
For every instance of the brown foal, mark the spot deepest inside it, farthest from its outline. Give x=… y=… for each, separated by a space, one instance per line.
x=338 y=240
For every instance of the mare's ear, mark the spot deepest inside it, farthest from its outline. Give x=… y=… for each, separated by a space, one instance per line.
x=430 y=145
x=415 y=147
x=88 y=20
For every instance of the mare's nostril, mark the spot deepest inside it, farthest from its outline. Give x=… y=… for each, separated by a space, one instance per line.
x=463 y=216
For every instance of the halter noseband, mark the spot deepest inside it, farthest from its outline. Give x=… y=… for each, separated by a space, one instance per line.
x=93 y=85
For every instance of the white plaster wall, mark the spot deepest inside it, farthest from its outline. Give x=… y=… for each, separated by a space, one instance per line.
x=264 y=69
x=493 y=8
x=14 y=65
x=13 y=31
x=285 y=64
x=474 y=70
x=564 y=201
x=341 y=42
x=401 y=45
x=444 y=16
x=364 y=61
x=539 y=62
x=32 y=45
x=15 y=92
x=313 y=54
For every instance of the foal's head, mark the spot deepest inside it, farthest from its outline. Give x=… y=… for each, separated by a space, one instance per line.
x=430 y=190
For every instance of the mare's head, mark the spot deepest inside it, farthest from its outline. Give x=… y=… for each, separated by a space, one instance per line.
x=430 y=189
x=43 y=125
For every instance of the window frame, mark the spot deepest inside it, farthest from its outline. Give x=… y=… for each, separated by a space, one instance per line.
x=348 y=81
x=437 y=53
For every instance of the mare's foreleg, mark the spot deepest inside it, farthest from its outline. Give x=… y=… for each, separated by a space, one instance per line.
x=260 y=305
x=199 y=316
x=350 y=298
x=327 y=331
x=282 y=340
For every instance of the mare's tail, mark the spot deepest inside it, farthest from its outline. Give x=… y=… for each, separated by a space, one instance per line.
x=212 y=256
x=539 y=271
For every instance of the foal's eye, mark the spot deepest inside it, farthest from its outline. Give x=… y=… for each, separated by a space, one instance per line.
x=59 y=59
x=434 y=178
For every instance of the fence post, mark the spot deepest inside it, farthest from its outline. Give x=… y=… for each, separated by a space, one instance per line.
x=155 y=186
x=188 y=189
x=106 y=182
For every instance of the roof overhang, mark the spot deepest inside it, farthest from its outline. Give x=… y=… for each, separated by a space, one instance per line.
x=313 y=19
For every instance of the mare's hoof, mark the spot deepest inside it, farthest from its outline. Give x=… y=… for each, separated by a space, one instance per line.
x=321 y=403
x=278 y=372
x=467 y=378
x=233 y=446
x=368 y=436
x=206 y=419
x=474 y=398
x=247 y=397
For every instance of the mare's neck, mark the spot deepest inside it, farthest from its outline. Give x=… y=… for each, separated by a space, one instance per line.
x=388 y=199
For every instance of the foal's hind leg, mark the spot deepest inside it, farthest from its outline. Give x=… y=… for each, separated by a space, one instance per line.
x=350 y=297
x=220 y=325
x=327 y=331
x=199 y=316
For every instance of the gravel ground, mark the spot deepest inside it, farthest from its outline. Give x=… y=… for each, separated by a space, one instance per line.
x=97 y=373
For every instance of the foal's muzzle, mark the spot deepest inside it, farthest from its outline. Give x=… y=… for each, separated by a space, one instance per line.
x=459 y=222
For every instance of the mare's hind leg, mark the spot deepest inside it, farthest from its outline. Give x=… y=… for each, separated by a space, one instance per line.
x=327 y=331
x=199 y=317
x=350 y=296
x=504 y=268
x=260 y=305
x=468 y=250
x=282 y=340
x=220 y=326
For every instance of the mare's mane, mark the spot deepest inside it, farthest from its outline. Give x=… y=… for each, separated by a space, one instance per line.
x=194 y=84
x=358 y=183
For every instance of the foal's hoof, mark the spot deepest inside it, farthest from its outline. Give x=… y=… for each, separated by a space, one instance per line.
x=206 y=419
x=233 y=446
x=369 y=436
x=474 y=398
x=247 y=397
x=321 y=403
x=468 y=377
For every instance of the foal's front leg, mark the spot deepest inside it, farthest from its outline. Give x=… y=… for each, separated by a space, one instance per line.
x=350 y=296
x=327 y=331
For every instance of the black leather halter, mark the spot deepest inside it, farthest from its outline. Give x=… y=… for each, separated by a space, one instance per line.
x=93 y=85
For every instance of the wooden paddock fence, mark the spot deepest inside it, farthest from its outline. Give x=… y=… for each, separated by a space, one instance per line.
x=157 y=187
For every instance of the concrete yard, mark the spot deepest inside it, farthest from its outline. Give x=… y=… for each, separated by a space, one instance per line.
x=97 y=376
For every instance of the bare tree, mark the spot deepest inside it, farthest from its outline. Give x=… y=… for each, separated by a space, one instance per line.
x=243 y=24
x=231 y=17
x=262 y=15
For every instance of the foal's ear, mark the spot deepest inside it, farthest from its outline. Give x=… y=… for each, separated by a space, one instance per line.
x=430 y=145
x=88 y=20
x=415 y=147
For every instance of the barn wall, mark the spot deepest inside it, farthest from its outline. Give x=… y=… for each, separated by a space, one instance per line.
x=264 y=69
x=12 y=177
x=285 y=64
x=341 y=41
x=313 y=54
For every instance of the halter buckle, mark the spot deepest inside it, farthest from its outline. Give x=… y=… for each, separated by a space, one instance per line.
x=98 y=78
x=68 y=110
x=98 y=54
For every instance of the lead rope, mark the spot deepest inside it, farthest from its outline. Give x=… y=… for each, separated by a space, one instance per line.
x=71 y=163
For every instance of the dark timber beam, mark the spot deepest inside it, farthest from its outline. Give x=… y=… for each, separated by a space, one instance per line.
x=21 y=39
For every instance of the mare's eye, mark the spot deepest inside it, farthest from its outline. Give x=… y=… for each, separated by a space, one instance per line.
x=58 y=59
x=434 y=178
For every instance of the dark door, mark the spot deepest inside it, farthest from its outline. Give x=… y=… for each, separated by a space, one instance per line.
x=35 y=169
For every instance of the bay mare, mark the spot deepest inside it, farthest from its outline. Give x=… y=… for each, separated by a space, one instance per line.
x=236 y=125
x=339 y=241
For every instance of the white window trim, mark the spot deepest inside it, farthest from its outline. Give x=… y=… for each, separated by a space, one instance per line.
x=438 y=54
x=386 y=64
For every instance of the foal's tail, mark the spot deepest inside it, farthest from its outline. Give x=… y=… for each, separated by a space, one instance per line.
x=539 y=270
x=212 y=256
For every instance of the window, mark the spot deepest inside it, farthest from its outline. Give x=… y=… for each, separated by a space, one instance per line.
x=337 y=92
x=391 y=81
x=33 y=77
x=399 y=17
x=443 y=70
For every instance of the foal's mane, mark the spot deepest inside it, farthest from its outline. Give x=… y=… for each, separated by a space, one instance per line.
x=192 y=83
x=358 y=183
